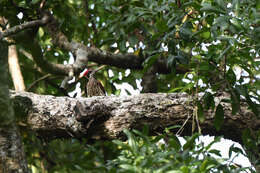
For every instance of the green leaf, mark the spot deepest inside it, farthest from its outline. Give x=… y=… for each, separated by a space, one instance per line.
x=185 y=31
x=143 y=136
x=122 y=45
x=172 y=47
x=216 y=139
x=235 y=101
x=167 y=130
x=200 y=112
x=121 y=144
x=235 y=150
x=128 y=167
x=204 y=66
x=219 y=117
x=208 y=8
x=221 y=4
x=221 y=22
x=117 y=92
x=132 y=142
x=187 y=87
x=161 y=25
x=205 y=34
x=231 y=77
x=171 y=61
x=133 y=40
x=185 y=169
x=175 y=143
x=208 y=101
x=237 y=23
x=203 y=166
x=216 y=152
x=243 y=90
x=41 y=32
x=253 y=106
x=230 y=150
x=150 y=61
x=182 y=57
x=248 y=139
x=190 y=143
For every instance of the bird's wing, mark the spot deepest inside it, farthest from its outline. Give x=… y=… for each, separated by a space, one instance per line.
x=101 y=87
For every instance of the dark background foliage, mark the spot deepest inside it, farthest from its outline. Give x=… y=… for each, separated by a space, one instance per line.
x=211 y=41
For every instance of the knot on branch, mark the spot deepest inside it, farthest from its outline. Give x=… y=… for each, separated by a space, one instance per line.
x=45 y=18
x=81 y=59
x=22 y=105
x=90 y=110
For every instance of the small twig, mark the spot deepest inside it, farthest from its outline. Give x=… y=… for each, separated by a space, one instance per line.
x=182 y=127
x=97 y=69
x=27 y=54
x=197 y=119
x=38 y=80
x=42 y=4
x=193 y=122
x=196 y=98
x=185 y=122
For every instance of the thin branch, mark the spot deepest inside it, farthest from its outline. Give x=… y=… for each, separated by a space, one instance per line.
x=182 y=127
x=97 y=69
x=15 y=69
x=42 y=4
x=38 y=80
x=21 y=27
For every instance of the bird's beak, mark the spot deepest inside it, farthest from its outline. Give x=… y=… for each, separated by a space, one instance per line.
x=80 y=75
x=84 y=73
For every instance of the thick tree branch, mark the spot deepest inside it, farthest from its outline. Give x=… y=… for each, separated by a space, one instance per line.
x=106 y=117
x=130 y=61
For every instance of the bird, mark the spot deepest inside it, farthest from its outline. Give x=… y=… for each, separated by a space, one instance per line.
x=94 y=86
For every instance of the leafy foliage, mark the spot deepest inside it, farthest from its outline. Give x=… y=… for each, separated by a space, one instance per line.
x=217 y=41
x=139 y=153
x=212 y=39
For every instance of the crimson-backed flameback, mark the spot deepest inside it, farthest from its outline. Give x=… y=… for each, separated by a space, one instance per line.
x=93 y=87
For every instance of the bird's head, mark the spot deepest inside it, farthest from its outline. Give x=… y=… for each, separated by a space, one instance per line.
x=86 y=73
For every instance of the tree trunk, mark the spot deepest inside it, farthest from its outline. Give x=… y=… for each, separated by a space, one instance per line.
x=12 y=157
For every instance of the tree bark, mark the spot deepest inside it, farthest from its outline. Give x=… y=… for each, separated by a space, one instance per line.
x=12 y=157
x=149 y=80
x=106 y=117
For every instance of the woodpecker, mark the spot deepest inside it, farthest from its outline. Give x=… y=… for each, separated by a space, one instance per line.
x=93 y=87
